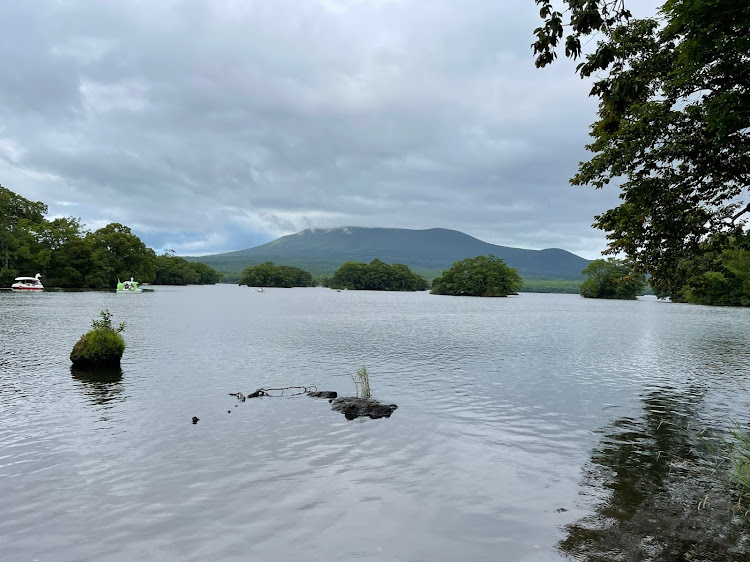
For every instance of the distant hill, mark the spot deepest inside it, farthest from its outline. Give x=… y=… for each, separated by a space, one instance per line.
x=427 y=252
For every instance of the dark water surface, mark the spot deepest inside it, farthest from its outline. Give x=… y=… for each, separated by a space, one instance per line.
x=519 y=420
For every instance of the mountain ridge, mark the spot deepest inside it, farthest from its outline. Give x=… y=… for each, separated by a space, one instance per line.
x=428 y=252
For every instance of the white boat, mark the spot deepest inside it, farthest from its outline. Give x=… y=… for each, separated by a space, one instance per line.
x=28 y=283
x=261 y=290
x=128 y=286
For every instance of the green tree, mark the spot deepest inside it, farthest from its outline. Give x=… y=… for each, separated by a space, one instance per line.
x=124 y=253
x=351 y=275
x=376 y=276
x=58 y=232
x=269 y=275
x=174 y=270
x=76 y=263
x=208 y=275
x=673 y=127
x=482 y=276
x=611 y=279
x=21 y=247
x=18 y=215
x=718 y=275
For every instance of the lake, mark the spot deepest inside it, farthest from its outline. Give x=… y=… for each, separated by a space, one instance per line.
x=527 y=427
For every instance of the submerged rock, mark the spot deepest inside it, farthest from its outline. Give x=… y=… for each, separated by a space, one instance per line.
x=353 y=407
x=323 y=394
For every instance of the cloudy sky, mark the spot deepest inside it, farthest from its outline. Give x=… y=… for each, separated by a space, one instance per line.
x=217 y=125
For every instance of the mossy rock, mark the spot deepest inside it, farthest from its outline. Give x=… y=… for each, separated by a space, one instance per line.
x=98 y=348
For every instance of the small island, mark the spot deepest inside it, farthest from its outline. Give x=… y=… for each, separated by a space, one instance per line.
x=482 y=276
x=376 y=276
x=100 y=347
x=269 y=275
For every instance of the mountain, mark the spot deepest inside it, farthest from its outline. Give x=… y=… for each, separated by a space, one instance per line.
x=428 y=252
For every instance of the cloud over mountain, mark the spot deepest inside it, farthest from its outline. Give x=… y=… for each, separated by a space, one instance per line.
x=210 y=126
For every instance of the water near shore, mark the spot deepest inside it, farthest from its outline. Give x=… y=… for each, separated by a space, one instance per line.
x=525 y=427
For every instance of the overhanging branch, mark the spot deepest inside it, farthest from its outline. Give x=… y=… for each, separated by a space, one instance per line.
x=740 y=213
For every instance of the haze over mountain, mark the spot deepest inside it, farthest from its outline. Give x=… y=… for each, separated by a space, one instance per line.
x=428 y=252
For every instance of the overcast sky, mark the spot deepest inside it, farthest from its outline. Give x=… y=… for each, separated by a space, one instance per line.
x=217 y=125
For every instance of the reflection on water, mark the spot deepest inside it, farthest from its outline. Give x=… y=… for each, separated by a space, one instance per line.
x=99 y=386
x=661 y=494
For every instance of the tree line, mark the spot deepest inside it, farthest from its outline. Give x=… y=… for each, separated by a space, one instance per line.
x=68 y=255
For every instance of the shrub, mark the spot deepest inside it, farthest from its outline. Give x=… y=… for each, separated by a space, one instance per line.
x=102 y=346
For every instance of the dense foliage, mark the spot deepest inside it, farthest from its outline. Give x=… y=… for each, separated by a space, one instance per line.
x=482 y=276
x=69 y=256
x=376 y=276
x=269 y=275
x=611 y=279
x=174 y=270
x=674 y=128
x=718 y=275
x=122 y=254
x=102 y=346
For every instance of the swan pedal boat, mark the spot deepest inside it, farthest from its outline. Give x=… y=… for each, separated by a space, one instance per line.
x=30 y=284
x=128 y=286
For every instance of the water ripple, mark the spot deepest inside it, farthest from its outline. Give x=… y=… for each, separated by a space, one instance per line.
x=500 y=404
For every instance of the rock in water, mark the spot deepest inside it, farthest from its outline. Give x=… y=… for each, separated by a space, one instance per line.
x=323 y=394
x=353 y=408
x=90 y=352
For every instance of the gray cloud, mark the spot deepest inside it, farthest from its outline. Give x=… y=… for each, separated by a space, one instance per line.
x=212 y=126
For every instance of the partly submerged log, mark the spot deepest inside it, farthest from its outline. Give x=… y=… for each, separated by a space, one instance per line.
x=353 y=407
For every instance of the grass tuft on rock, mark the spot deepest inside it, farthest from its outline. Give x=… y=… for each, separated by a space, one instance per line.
x=362 y=383
x=102 y=346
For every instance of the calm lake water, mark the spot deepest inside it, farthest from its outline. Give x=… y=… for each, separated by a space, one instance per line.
x=514 y=418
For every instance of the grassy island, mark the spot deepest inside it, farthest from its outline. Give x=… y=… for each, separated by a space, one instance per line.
x=102 y=346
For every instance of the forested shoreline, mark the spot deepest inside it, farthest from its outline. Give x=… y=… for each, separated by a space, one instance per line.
x=70 y=256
